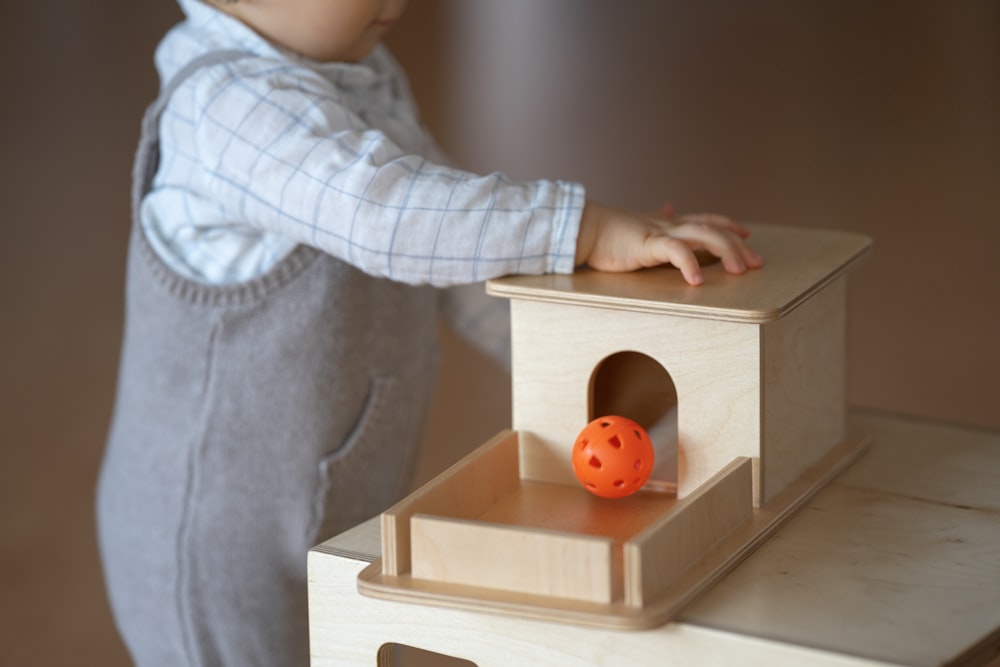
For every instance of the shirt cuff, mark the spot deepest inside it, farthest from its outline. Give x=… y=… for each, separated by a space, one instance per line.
x=566 y=229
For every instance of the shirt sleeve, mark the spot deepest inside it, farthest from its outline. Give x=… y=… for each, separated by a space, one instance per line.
x=281 y=150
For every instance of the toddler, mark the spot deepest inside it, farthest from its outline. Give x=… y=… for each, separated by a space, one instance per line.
x=296 y=234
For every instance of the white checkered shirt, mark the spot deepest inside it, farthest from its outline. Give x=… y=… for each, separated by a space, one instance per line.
x=273 y=150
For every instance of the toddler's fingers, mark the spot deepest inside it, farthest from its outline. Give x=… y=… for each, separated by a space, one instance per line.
x=670 y=250
x=750 y=256
x=731 y=248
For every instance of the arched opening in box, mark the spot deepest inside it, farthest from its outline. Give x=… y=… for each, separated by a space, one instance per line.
x=635 y=385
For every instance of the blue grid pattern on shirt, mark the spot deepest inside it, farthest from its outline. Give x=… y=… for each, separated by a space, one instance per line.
x=260 y=150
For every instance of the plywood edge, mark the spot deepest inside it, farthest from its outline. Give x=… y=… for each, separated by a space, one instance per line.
x=756 y=301
x=749 y=536
x=662 y=553
x=840 y=272
x=704 y=574
x=373 y=583
x=467 y=488
x=467 y=552
x=756 y=316
x=362 y=542
x=836 y=460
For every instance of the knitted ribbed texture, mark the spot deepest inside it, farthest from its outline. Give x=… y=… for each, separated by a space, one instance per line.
x=251 y=422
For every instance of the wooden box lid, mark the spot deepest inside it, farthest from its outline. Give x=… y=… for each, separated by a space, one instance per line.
x=799 y=262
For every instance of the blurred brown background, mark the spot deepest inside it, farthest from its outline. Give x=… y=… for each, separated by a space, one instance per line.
x=879 y=116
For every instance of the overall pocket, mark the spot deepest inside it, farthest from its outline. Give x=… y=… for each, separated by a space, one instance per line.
x=373 y=467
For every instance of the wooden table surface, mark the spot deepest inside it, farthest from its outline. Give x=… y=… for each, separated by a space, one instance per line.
x=897 y=562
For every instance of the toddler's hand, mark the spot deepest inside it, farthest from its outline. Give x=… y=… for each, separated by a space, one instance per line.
x=612 y=239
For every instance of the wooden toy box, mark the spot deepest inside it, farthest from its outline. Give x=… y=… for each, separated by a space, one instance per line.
x=743 y=383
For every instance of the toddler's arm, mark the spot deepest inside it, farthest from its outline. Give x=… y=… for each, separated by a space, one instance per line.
x=612 y=239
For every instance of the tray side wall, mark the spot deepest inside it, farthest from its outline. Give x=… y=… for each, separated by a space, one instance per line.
x=659 y=557
x=464 y=490
x=514 y=559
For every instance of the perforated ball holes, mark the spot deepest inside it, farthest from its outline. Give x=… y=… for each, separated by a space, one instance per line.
x=613 y=457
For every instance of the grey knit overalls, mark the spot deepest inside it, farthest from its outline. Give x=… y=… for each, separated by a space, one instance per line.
x=251 y=422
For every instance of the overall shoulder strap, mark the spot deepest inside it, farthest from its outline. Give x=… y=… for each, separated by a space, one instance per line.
x=147 y=157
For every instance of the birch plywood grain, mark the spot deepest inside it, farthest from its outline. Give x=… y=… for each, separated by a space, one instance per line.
x=468 y=488
x=865 y=557
x=908 y=539
x=572 y=509
x=760 y=382
x=347 y=629
x=551 y=551
x=557 y=347
x=799 y=263
x=804 y=390
x=757 y=361
x=941 y=463
x=666 y=551
x=869 y=573
x=515 y=559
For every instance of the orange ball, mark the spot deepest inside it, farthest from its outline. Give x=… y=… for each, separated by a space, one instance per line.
x=613 y=457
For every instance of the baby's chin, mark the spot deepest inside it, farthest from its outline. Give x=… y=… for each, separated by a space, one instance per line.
x=361 y=49
x=357 y=52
